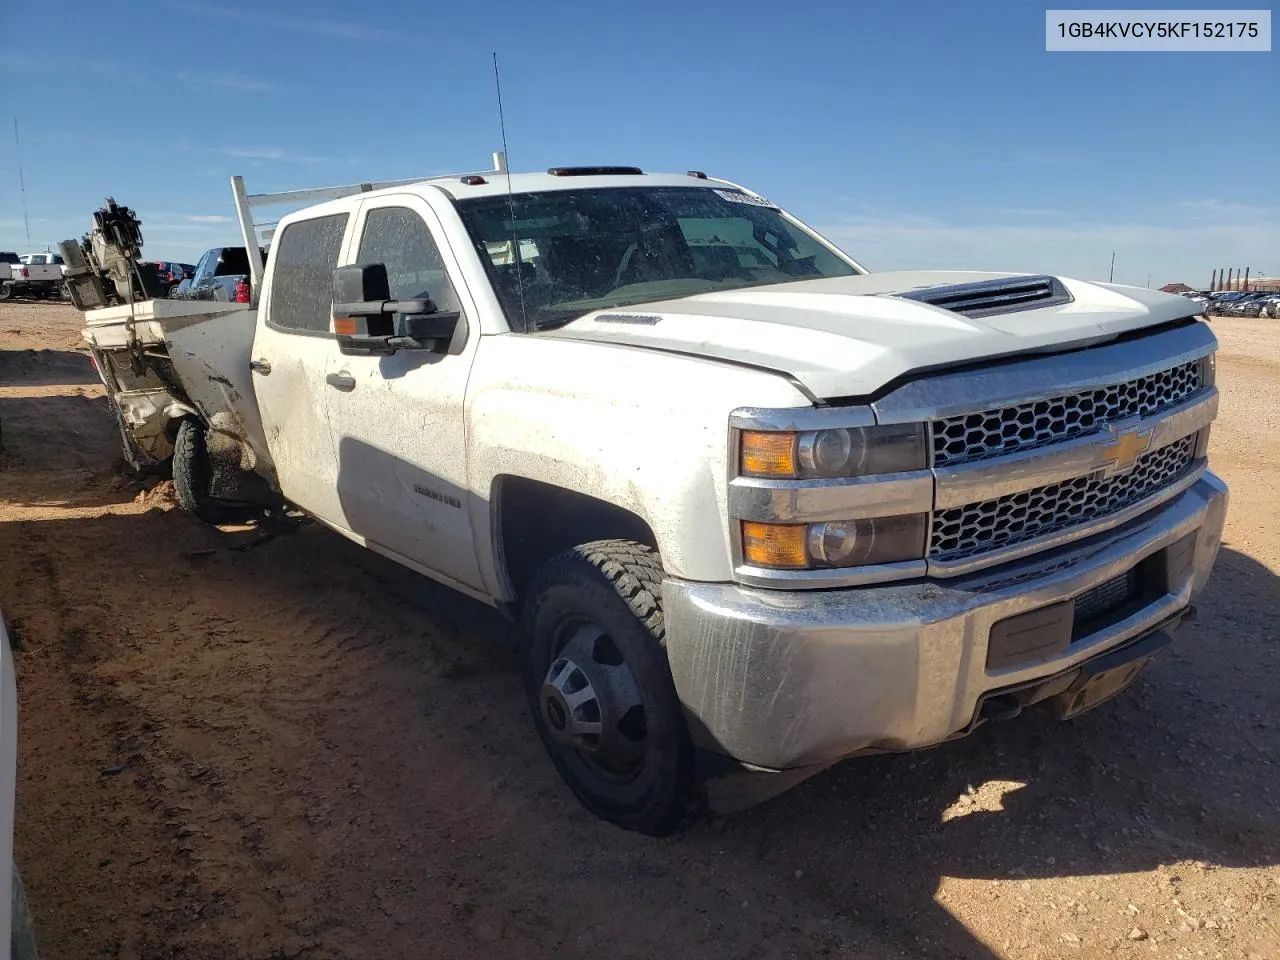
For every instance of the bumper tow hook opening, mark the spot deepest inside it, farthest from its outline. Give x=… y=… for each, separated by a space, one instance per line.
x=1001 y=708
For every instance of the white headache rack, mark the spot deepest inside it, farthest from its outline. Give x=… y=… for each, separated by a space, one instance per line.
x=246 y=202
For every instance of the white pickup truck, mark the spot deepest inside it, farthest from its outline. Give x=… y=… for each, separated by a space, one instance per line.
x=38 y=275
x=757 y=509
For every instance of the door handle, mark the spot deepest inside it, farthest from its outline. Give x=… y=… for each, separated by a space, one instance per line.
x=260 y=366
x=341 y=381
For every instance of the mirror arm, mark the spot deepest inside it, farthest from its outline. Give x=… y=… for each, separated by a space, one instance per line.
x=380 y=307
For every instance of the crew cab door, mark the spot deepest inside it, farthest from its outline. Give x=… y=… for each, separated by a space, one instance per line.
x=398 y=421
x=292 y=350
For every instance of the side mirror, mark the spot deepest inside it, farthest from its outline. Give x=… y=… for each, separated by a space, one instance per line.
x=187 y=275
x=367 y=322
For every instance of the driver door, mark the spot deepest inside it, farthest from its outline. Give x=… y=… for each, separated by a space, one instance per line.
x=398 y=423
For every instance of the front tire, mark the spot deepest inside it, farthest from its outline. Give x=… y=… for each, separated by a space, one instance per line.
x=600 y=687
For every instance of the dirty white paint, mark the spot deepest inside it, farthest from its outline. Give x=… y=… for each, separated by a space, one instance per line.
x=643 y=430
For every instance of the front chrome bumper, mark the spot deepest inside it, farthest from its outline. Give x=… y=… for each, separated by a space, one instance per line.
x=779 y=680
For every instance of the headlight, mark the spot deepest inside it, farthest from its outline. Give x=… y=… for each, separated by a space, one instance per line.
x=846 y=543
x=839 y=452
x=1208 y=371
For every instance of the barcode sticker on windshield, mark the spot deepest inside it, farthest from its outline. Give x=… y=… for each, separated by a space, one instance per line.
x=734 y=196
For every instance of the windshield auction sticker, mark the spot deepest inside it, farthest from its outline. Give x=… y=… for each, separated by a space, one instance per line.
x=1153 y=31
x=737 y=196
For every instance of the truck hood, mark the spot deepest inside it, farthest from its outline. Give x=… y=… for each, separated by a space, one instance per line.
x=850 y=336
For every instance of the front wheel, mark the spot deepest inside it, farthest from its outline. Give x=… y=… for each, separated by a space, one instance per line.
x=600 y=687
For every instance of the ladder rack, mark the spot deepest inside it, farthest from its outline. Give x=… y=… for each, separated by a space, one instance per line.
x=246 y=202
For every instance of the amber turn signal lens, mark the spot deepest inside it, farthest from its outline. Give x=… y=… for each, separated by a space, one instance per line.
x=775 y=544
x=768 y=454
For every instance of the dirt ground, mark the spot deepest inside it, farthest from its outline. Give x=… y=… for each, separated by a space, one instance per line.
x=291 y=749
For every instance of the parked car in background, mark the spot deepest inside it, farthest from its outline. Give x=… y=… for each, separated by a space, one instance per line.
x=36 y=275
x=221 y=274
x=1220 y=301
x=7 y=261
x=1231 y=307
x=1199 y=298
x=1250 y=305
x=44 y=259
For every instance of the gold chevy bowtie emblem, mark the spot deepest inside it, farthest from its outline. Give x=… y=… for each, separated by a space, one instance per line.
x=1123 y=452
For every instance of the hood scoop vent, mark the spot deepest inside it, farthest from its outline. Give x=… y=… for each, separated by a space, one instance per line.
x=987 y=298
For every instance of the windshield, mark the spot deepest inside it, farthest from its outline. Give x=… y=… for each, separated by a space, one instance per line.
x=581 y=250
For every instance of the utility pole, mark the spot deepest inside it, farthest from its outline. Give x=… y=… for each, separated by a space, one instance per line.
x=22 y=184
x=1112 y=279
x=1148 y=281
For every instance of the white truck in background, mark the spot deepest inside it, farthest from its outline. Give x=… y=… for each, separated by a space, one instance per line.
x=757 y=509
x=37 y=275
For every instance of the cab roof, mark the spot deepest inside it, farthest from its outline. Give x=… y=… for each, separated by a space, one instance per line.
x=495 y=184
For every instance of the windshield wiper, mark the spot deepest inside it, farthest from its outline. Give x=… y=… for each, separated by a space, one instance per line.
x=554 y=323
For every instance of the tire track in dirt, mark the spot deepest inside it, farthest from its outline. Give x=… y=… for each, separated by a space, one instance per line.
x=123 y=746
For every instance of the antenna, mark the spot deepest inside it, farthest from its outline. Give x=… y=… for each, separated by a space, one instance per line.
x=22 y=186
x=511 y=200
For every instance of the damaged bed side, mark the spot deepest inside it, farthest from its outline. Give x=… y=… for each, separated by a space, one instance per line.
x=165 y=361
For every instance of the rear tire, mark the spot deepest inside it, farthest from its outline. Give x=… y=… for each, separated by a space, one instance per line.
x=192 y=473
x=595 y=660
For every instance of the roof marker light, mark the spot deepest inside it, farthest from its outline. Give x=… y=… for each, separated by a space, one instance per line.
x=594 y=171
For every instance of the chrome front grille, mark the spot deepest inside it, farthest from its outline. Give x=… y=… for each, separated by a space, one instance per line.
x=993 y=433
x=1004 y=521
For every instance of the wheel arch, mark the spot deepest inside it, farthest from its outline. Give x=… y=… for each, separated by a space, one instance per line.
x=534 y=521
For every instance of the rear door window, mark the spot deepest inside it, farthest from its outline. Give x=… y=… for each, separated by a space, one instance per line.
x=301 y=296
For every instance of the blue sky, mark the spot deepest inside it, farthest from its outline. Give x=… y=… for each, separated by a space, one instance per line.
x=914 y=134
